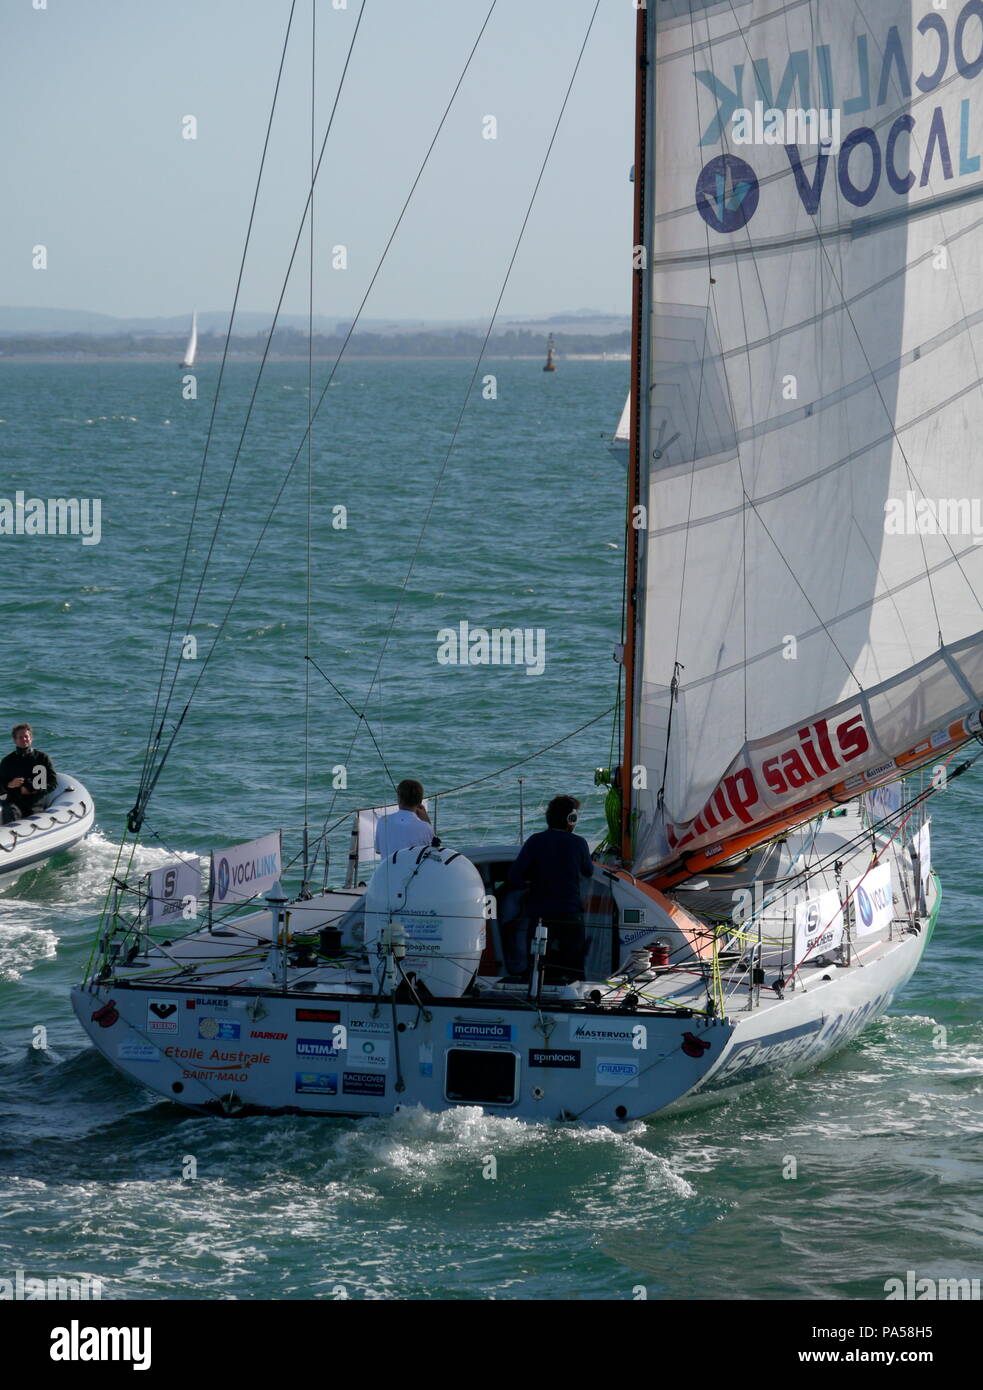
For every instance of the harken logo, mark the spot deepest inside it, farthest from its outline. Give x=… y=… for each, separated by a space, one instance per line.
x=727 y=193
x=223 y=877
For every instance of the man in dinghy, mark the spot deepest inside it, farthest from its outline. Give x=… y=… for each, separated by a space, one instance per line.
x=555 y=862
x=27 y=776
x=408 y=826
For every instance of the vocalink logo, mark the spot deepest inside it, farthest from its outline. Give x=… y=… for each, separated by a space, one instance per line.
x=498 y=646
x=54 y=516
x=727 y=193
x=866 y=910
x=223 y=877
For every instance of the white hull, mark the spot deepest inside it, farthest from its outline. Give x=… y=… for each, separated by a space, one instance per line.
x=232 y=1038
x=67 y=818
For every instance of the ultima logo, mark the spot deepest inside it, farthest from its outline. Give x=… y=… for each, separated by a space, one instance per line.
x=818 y=752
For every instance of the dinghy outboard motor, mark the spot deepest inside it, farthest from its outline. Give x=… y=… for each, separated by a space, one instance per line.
x=437 y=897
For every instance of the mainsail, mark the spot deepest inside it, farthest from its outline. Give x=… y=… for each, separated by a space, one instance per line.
x=809 y=578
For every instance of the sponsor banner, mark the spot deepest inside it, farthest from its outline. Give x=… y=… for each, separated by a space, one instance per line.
x=883 y=801
x=246 y=871
x=316 y=1047
x=873 y=901
x=317 y=1015
x=616 y=1071
x=211 y=1028
x=818 y=925
x=774 y=774
x=369 y=1027
x=555 y=1057
x=363 y=1083
x=137 y=1052
x=477 y=1030
x=324 y=1083
x=173 y=892
x=595 y=1029
x=210 y=1004
x=162 y=1016
x=368 y=1052
x=423 y=926
x=921 y=853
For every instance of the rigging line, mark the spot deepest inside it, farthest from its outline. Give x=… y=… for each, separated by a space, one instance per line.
x=751 y=503
x=361 y=713
x=266 y=351
x=310 y=458
x=477 y=368
x=225 y=352
x=969 y=334
x=464 y=786
x=674 y=684
x=821 y=243
x=300 y=447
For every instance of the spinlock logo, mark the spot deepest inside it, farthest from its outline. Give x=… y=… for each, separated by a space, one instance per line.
x=907 y=144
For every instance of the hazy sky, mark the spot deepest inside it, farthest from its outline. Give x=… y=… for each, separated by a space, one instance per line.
x=138 y=220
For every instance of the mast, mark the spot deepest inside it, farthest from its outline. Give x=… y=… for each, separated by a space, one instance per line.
x=631 y=607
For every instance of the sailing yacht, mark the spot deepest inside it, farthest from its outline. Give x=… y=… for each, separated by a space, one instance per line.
x=191 y=351
x=621 y=440
x=802 y=656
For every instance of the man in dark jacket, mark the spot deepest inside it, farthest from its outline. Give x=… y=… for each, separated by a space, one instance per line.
x=555 y=863
x=27 y=776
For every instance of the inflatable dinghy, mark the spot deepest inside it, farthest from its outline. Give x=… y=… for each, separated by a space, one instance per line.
x=66 y=818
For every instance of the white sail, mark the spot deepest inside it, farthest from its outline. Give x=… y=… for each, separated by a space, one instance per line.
x=621 y=433
x=191 y=351
x=810 y=438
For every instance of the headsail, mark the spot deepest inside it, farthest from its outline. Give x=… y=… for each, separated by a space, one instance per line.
x=809 y=564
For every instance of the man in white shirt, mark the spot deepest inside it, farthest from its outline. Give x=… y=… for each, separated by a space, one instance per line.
x=408 y=826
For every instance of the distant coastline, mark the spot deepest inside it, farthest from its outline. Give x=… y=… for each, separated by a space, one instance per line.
x=292 y=345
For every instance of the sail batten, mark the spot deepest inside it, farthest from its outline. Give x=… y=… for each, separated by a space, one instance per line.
x=812 y=558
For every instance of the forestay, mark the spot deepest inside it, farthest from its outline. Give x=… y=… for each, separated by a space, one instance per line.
x=810 y=438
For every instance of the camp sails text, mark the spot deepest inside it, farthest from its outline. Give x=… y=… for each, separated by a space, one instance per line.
x=894 y=68
x=818 y=752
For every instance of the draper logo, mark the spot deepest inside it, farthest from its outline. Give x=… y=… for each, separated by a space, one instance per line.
x=223 y=877
x=727 y=193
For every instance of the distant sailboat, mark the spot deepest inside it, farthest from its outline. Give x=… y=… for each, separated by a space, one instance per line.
x=619 y=443
x=191 y=351
x=550 y=353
